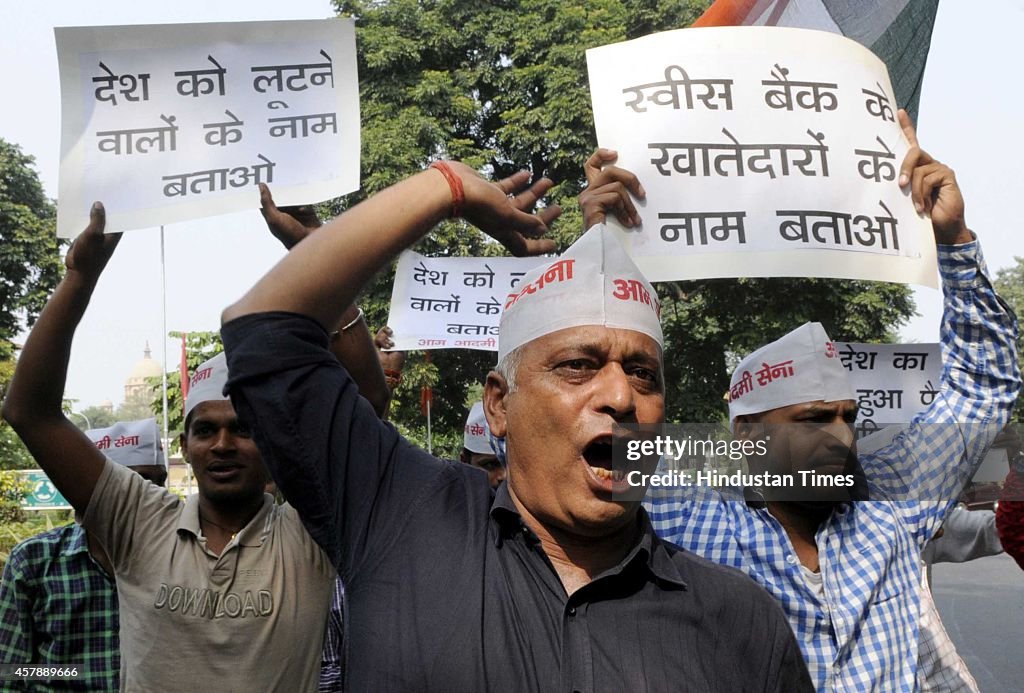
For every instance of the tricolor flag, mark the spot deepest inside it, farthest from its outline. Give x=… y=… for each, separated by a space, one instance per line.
x=897 y=31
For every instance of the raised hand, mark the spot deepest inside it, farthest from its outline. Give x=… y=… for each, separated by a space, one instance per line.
x=609 y=189
x=933 y=189
x=501 y=210
x=92 y=249
x=288 y=224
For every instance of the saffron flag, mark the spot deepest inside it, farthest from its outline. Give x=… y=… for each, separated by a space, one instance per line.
x=897 y=31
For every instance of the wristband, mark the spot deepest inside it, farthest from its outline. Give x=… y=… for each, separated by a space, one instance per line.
x=455 y=184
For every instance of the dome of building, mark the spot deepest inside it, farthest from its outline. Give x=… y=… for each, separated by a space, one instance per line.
x=146 y=368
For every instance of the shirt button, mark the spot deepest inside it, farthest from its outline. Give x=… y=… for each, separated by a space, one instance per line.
x=791 y=559
x=572 y=610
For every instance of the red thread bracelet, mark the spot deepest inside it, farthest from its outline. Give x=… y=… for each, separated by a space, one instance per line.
x=455 y=184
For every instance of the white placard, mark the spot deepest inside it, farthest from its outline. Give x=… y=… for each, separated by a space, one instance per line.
x=764 y=152
x=892 y=382
x=452 y=303
x=166 y=123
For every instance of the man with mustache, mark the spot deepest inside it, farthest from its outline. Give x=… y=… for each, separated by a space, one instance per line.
x=548 y=583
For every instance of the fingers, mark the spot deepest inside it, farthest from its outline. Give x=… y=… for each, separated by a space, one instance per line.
x=549 y=214
x=267 y=206
x=928 y=183
x=98 y=225
x=915 y=158
x=514 y=182
x=592 y=167
x=528 y=198
x=908 y=127
x=97 y=219
x=520 y=246
x=612 y=197
x=609 y=189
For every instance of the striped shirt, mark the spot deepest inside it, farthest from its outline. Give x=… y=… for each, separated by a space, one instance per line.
x=58 y=607
x=862 y=633
x=333 y=657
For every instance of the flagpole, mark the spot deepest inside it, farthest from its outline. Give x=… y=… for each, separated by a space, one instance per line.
x=163 y=290
x=429 y=442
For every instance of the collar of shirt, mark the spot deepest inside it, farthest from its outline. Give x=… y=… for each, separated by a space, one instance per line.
x=649 y=549
x=76 y=541
x=253 y=534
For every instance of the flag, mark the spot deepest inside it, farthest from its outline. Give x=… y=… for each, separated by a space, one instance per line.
x=897 y=31
x=183 y=373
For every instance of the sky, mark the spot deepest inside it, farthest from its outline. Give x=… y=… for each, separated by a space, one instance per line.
x=970 y=112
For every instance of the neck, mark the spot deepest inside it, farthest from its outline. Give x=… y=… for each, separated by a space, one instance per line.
x=578 y=558
x=226 y=519
x=801 y=526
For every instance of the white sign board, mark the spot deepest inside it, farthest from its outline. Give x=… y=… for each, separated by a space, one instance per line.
x=166 y=123
x=452 y=303
x=764 y=152
x=892 y=382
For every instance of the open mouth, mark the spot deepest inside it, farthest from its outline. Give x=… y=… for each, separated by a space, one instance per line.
x=598 y=456
x=223 y=470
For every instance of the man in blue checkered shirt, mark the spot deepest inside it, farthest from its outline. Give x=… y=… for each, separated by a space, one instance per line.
x=847 y=571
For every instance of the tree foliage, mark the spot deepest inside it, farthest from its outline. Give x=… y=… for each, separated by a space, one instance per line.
x=30 y=263
x=1009 y=283
x=502 y=86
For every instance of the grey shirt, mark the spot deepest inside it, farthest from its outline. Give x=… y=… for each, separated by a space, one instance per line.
x=249 y=619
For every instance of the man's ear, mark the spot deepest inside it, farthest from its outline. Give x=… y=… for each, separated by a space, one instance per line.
x=183 y=441
x=495 y=392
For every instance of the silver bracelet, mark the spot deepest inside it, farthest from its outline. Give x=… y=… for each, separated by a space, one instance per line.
x=359 y=316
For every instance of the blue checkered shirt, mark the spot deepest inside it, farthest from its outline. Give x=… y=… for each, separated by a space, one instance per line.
x=58 y=608
x=863 y=634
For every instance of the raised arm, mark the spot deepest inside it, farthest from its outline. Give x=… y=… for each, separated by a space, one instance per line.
x=323 y=274
x=351 y=341
x=34 y=399
x=935 y=456
x=350 y=476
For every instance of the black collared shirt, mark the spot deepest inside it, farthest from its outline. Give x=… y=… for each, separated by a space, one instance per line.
x=448 y=590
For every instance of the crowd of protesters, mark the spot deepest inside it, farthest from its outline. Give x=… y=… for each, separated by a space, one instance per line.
x=524 y=565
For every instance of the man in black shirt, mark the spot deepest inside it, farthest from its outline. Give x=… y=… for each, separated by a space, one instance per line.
x=548 y=583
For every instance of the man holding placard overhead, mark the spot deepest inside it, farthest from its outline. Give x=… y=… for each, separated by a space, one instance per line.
x=222 y=591
x=847 y=571
x=58 y=601
x=548 y=583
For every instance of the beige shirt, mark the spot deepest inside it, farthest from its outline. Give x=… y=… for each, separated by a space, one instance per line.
x=251 y=619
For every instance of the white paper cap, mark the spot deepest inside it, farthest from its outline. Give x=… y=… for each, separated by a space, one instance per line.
x=475 y=438
x=593 y=283
x=803 y=366
x=129 y=443
x=207 y=383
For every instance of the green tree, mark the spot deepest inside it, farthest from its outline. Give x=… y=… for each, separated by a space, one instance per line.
x=1009 y=283
x=98 y=417
x=503 y=86
x=13 y=453
x=30 y=263
x=30 y=267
